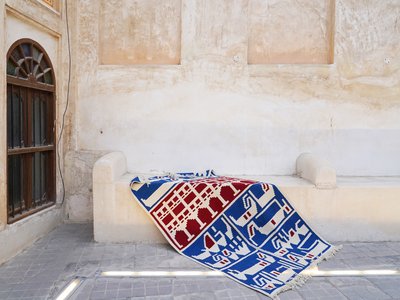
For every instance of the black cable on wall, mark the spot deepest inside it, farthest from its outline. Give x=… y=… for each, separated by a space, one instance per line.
x=66 y=105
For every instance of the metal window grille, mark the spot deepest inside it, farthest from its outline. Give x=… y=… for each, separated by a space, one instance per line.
x=30 y=130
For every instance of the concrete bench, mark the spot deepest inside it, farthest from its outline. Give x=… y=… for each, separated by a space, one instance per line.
x=339 y=208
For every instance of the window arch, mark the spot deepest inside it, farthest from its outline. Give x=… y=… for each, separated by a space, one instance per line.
x=30 y=130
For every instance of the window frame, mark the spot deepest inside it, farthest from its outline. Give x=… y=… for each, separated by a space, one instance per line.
x=33 y=88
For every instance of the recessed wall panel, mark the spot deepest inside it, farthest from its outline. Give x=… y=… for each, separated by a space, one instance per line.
x=140 y=32
x=290 y=31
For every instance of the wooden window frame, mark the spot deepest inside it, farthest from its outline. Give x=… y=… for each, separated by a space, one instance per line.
x=34 y=90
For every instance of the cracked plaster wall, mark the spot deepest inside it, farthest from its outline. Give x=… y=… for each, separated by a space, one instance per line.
x=222 y=102
x=31 y=19
x=79 y=185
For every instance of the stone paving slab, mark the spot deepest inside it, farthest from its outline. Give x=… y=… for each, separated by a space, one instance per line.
x=45 y=268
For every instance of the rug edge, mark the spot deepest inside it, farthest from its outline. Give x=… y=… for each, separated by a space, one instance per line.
x=301 y=279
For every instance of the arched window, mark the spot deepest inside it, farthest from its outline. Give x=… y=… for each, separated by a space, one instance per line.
x=30 y=130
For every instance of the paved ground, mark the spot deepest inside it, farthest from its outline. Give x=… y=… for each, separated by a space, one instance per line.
x=44 y=269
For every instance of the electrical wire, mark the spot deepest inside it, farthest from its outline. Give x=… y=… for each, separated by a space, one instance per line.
x=66 y=105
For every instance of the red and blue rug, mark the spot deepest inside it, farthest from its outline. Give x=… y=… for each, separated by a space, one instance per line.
x=246 y=229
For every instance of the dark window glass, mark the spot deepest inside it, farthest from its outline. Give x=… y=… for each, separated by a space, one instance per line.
x=26 y=49
x=16 y=117
x=35 y=53
x=15 y=184
x=16 y=55
x=43 y=65
x=39 y=177
x=11 y=67
x=47 y=77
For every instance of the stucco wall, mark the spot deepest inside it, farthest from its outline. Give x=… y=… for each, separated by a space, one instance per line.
x=79 y=185
x=277 y=34
x=215 y=110
x=30 y=19
x=215 y=97
x=132 y=32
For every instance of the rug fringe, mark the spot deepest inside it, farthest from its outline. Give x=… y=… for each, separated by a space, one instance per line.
x=301 y=279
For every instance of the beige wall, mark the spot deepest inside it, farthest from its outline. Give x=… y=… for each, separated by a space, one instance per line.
x=132 y=32
x=199 y=86
x=221 y=109
x=35 y=20
x=290 y=31
x=196 y=84
x=32 y=19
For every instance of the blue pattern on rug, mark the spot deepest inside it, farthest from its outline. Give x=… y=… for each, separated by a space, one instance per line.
x=246 y=229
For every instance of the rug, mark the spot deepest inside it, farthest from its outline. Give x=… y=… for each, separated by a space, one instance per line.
x=246 y=229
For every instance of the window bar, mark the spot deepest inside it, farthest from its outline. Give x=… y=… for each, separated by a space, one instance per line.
x=20 y=138
x=29 y=156
x=47 y=179
x=14 y=182
x=40 y=193
x=49 y=114
x=20 y=180
x=40 y=158
x=33 y=118
x=39 y=176
x=31 y=55
x=34 y=155
x=39 y=196
x=11 y=108
x=42 y=155
x=36 y=112
x=17 y=118
x=17 y=182
x=9 y=131
x=36 y=158
x=10 y=138
x=44 y=119
x=16 y=139
x=14 y=119
x=34 y=180
x=14 y=185
x=42 y=177
x=23 y=114
x=27 y=119
x=39 y=99
x=10 y=187
x=19 y=157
